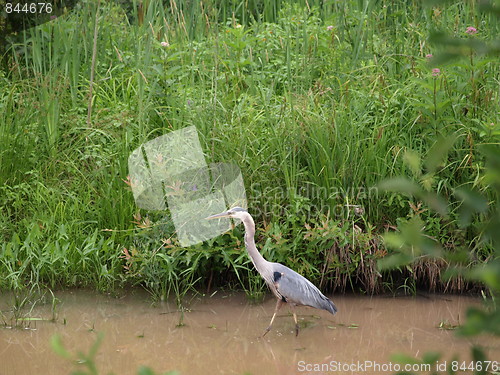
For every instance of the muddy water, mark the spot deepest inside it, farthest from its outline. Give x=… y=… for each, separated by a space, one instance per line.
x=221 y=335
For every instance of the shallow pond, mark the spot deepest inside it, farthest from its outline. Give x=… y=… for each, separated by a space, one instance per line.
x=221 y=335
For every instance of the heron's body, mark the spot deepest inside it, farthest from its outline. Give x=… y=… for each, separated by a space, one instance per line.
x=295 y=289
x=286 y=284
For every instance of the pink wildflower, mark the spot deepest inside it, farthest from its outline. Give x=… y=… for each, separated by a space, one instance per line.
x=428 y=56
x=471 y=30
x=436 y=72
x=329 y=28
x=165 y=44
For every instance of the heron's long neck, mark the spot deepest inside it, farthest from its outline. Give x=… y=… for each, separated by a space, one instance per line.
x=257 y=259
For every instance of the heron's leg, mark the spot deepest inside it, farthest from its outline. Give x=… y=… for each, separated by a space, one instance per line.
x=279 y=303
x=295 y=319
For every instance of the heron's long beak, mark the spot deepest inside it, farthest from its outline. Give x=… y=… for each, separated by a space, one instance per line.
x=218 y=216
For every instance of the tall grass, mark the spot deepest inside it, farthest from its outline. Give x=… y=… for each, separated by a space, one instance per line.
x=316 y=102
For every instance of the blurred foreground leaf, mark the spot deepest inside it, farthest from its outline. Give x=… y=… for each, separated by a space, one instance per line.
x=400 y=184
x=438 y=152
x=58 y=348
x=480 y=321
x=472 y=203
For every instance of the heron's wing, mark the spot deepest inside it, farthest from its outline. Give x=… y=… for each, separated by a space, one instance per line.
x=295 y=288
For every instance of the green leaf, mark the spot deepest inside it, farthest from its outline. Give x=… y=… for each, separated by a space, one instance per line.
x=95 y=346
x=394 y=240
x=431 y=357
x=438 y=152
x=489 y=274
x=412 y=159
x=145 y=371
x=478 y=356
x=435 y=202
x=404 y=359
x=479 y=321
x=472 y=199
x=400 y=184
x=58 y=348
x=472 y=203
x=394 y=261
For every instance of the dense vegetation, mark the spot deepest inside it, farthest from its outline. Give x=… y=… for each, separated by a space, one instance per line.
x=316 y=102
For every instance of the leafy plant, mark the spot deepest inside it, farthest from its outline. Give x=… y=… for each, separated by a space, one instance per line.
x=316 y=102
x=412 y=243
x=86 y=362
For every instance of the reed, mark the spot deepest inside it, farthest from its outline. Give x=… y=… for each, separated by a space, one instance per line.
x=315 y=102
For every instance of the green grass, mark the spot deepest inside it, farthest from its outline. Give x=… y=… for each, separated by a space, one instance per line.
x=315 y=116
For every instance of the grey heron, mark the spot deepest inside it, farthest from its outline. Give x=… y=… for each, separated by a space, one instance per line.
x=286 y=284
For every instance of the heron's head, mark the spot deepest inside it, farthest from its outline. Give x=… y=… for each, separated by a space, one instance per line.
x=235 y=213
